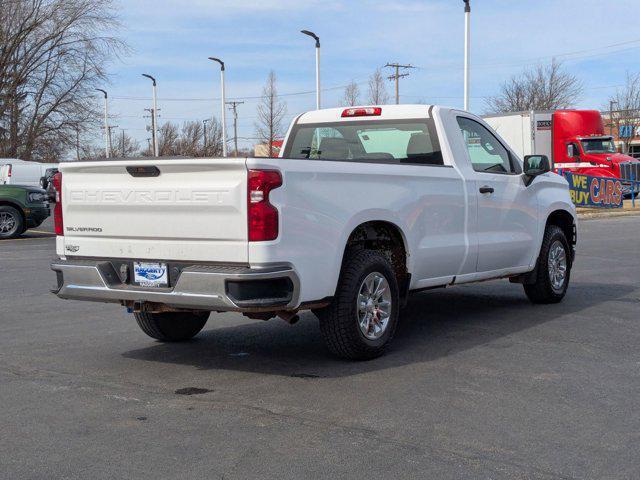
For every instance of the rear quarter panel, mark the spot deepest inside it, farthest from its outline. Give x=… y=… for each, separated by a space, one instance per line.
x=322 y=202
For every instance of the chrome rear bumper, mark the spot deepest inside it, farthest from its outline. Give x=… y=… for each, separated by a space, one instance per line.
x=197 y=287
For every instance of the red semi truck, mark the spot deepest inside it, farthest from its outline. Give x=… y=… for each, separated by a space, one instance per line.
x=574 y=140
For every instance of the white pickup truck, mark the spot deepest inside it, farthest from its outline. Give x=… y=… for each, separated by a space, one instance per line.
x=365 y=205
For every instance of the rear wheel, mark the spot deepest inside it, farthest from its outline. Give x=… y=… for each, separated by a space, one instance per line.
x=171 y=326
x=360 y=322
x=553 y=269
x=11 y=223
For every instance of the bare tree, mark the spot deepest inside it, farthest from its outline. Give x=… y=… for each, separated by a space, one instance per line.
x=191 y=141
x=377 y=89
x=625 y=117
x=124 y=146
x=351 y=94
x=542 y=88
x=53 y=53
x=168 y=140
x=213 y=148
x=188 y=140
x=271 y=113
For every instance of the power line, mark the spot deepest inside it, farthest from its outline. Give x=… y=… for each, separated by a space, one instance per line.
x=576 y=55
x=254 y=97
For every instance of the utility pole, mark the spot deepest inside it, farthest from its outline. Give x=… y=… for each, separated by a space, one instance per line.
x=123 y=149
x=611 y=102
x=467 y=50
x=109 y=128
x=154 y=113
x=234 y=107
x=77 y=143
x=107 y=142
x=397 y=76
x=204 y=131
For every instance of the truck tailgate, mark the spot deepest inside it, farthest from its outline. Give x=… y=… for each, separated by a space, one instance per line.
x=172 y=209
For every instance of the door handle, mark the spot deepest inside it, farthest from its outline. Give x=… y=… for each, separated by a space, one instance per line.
x=486 y=189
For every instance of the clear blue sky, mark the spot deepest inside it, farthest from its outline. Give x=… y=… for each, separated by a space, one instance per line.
x=172 y=40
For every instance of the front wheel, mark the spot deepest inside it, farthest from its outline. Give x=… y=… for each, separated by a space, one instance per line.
x=360 y=322
x=553 y=268
x=171 y=326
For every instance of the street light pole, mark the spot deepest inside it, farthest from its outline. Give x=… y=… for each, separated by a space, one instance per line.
x=224 y=100
x=467 y=48
x=317 y=39
x=107 y=137
x=154 y=116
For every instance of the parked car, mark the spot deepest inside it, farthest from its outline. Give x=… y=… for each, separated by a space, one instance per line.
x=20 y=172
x=21 y=208
x=366 y=205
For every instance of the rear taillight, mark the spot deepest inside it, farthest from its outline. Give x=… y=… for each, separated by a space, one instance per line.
x=9 y=172
x=57 y=210
x=262 y=216
x=362 y=112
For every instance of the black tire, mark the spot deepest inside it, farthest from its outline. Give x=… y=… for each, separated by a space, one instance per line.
x=542 y=290
x=339 y=321
x=171 y=326
x=10 y=214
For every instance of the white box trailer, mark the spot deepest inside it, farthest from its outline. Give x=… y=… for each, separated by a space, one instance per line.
x=527 y=133
x=14 y=171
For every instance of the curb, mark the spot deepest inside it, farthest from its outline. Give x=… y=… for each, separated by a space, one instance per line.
x=608 y=214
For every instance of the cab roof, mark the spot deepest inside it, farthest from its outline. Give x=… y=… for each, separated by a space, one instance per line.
x=388 y=112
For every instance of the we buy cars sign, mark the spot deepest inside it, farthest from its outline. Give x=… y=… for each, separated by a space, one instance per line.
x=598 y=192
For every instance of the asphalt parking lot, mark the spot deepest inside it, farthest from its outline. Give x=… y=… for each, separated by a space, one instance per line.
x=479 y=384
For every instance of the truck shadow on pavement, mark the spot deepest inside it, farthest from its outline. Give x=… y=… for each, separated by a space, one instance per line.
x=435 y=324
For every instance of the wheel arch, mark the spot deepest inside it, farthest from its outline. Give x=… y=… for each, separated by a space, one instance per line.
x=386 y=237
x=566 y=221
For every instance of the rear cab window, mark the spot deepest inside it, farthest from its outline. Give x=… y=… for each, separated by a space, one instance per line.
x=412 y=141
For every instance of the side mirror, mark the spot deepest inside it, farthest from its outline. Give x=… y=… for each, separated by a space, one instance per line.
x=570 y=152
x=535 y=165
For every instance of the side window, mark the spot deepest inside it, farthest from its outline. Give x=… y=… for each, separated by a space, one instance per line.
x=487 y=154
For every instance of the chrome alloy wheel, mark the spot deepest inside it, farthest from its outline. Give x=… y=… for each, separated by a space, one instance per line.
x=7 y=223
x=374 y=306
x=557 y=265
